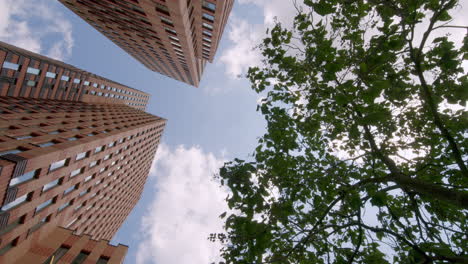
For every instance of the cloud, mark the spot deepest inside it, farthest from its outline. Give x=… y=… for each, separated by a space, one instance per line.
x=38 y=26
x=244 y=37
x=185 y=209
x=241 y=55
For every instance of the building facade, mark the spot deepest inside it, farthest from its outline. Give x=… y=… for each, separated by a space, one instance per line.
x=174 y=38
x=30 y=75
x=76 y=162
x=62 y=246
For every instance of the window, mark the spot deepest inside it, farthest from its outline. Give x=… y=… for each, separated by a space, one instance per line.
x=9 y=246
x=84 y=192
x=11 y=151
x=76 y=172
x=63 y=206
x=93 y=163
x=58 y=254
x=46 y=144
x=54 y=132
x=50 y=185
x=209 y=6
x=76 y=80
x=103 y=260
x=81 y=257
x=33 y=71
x=65 y=78
x=99 y=149
x=170 y=30
x=208 y=17
x=51 y=75
x=31 y=83
x=81 y=155
x=166 y=20
x=23 y=137
x=86 y=83
x=107 y=157
x=25 y=177
x=111 y=144
x=88 y=178
x=11 y=66
x=44 y=205
x=69 y=190
x=16 y=202
x=72 y=138
x=73 y=221
x=206 y=25
x=207 y=33
x=58 y=164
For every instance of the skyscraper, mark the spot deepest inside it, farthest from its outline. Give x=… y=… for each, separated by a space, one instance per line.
x=69 y=158
x=174 y=38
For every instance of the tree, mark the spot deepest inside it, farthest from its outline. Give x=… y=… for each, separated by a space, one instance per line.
x=365 y=155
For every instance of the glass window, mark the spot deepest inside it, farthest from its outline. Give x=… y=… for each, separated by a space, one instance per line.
x=209 y=5
x=111 y=144
x=51 y=75
x=46 y=144
x=209 y=17
x=65 y=78
x=58 y=254
x=31 y=83
x=167 y=20
x=107 y=157
x=33 y=71
x=54 y=132
x=76 y=80
x=50 y=185
x=92 y=164
x=76 y=172
x=44 y=205
x=58 y=164
x=83 y=192
x=10 y=65
x=74 y=220
x=11 y=151
x=207 y=33
x=72 y=138
x=16 y=202
x=81 y=155
x=86 y=83
x=69 y=190
x=102 y=170
x=170 y=30
x=103 y=260
x=81 y=257
x=88 y=178
x=99 y=149
x=95 y=85
x=206 y=25
x=23 y=137
x=63 y=206
x=25 y=177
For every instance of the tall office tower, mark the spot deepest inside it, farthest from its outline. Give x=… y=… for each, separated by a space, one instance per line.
x=27 y=74
x=77 y=162
x=174 y=38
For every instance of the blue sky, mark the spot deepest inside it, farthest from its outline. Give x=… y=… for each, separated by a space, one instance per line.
x=206 y=125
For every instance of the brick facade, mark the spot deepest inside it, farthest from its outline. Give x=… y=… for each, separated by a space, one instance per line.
x=172 y=37
x=73 y=162
x=27 y=74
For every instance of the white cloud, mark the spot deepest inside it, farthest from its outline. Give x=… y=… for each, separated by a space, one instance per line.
x=185 y=209
x=244 y=37
x=241 y=54
x=28 y=24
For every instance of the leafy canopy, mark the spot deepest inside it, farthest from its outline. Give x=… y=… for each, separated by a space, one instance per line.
x=365 y=155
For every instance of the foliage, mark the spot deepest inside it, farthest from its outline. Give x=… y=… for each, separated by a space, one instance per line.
x=361 y=163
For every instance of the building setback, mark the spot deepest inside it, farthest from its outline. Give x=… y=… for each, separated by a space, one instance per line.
x=78 y=163
x=174 y=38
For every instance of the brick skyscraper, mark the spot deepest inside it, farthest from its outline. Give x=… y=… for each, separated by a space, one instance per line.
x=70 y=158
x=174 y=37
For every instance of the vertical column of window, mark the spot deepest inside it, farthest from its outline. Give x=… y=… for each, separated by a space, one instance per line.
x=31 y=78
x=11 y=70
